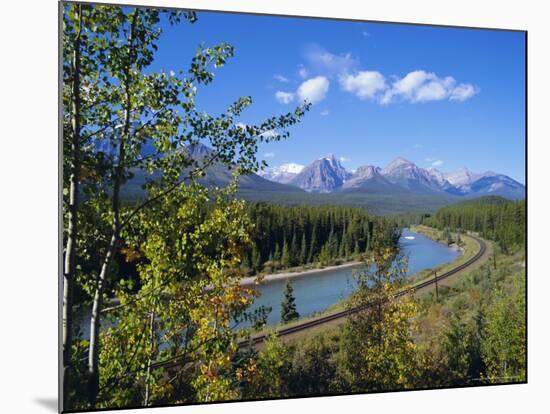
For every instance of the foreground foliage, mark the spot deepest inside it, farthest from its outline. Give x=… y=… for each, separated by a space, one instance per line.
x=174 y=259
x=474 y=335
x=122 y=119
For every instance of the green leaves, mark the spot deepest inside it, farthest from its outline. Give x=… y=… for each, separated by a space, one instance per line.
x=505 y=335
x=185 y=240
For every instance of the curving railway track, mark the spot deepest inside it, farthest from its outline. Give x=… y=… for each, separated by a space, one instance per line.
x=342 y=314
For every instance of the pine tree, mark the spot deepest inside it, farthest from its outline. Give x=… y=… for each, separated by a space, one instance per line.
x=303 y=250
x=285 y=255
x=324 y=255
x=342 y=247
x=293 y=254
x=277 y=253
x=256 y=259
x=288 y=306
x=332 y=244
x=313 y=244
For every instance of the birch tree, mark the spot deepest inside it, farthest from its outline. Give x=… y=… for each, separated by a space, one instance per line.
x=130 y=109
x=377 y=350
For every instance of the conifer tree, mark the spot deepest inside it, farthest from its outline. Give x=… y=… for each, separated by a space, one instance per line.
x=285 y=256
x=256 y=259
x=293 y=253
x=288 y=306
x=277 y=253
x=324 y=255
x=313 y=244
x=303 y=250
x=342 y=249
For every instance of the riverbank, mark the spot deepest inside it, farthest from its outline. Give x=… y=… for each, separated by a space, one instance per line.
x=468 y=250
x=289 y=275
x=434 y=235
x=448 y=272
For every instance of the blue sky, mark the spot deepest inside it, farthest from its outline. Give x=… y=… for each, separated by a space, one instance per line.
x=440 y=97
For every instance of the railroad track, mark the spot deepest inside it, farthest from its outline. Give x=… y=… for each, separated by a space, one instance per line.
x=342 y=314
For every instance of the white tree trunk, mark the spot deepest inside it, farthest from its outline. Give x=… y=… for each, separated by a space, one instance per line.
x=149 y=362
x=69 y=265
x=95 y=321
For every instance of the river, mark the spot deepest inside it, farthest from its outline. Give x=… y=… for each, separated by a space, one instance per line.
x=315 y=292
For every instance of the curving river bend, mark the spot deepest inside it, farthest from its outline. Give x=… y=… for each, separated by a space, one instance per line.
x=315 y=292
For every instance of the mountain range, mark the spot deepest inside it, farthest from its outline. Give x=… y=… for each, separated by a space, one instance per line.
x=399 y=187
x=327 y=175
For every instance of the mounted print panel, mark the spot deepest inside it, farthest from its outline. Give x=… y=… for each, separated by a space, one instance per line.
x=262 y=207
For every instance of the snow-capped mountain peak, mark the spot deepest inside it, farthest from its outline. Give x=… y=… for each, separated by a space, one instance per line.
x=461 y=177
x=321 y=176
x=326 y=174
x=396 y=164
x=290 y=167
x=282 y=173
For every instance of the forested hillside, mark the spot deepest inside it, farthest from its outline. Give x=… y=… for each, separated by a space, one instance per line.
x=493 y=218
x=291 y=236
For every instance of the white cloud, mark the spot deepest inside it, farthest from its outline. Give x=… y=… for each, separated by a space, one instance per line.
x=313 y=90
x=324 y=112
x=365 y=84
x=365 y=33
x=431 y=91
x=463 y=91
x=269 y=134
x=422 y=86
x=269 y=155
x=302 y=71
x=437 y=163
x=417 y=146
x=344 y=159
x=284 y=97
x=323 y=61
x=281 y=78
x=415 y=87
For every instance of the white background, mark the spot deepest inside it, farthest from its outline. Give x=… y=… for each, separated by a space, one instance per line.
x=28 y=208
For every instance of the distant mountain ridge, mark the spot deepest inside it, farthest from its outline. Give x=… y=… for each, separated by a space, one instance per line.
x=399 y=187
x=216 y=174
x=321 y=176
x=327 y=175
